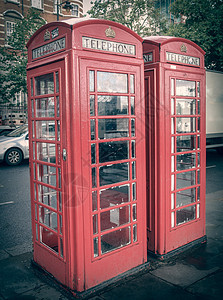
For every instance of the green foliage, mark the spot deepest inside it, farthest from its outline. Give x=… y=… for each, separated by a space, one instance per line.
x=13 y=57
x=139 y=15
x=203 y=25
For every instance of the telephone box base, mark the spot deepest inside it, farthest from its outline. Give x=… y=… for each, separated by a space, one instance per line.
x=95 y=290
x=179 y=250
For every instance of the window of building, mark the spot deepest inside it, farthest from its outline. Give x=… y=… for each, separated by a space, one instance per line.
x=37 y=4
x=75 y=10
x=14 y=1
x=10 y=26
x=10 y=18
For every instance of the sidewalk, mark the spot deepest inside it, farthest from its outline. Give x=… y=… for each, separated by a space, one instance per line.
x=194 y=274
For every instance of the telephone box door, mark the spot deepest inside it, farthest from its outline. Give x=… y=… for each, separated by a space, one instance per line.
x=113 y=144
x=46 y=164
x=186 y=210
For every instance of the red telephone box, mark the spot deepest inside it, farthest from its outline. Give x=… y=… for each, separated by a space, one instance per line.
x=175 y=117
x=87 y=150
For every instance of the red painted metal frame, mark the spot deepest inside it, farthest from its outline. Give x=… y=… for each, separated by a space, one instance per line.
x=78 y=268
x=158 y=74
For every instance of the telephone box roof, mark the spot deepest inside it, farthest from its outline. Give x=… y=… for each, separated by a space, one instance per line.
x=162 y=40
x=75 y=23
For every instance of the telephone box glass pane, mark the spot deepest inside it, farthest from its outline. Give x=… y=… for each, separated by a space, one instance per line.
x=186 y=143
x=112 y=105
x=91 y=80
x=49 y=238
x=112 y=82
x=45 y=108
x=132 y=105
x=113 y=128
x=186 y=179
x=112 y=151
x=92 y=105
x=48 y=217
x=185 y=214
x=93 y=154
x=44 y=84
x=185 y=125
x=94 y=200
x=93 y=130
x=46 y=152
x=45 y=130
x=186 y=161
x=47 y=196
x=115 y=240
x=115 y=217
x=185 y=88
x=185 y=106
x=114 y=196
x=185 y=197
x=113 y=173
x=47 y=174
x=132 y=84
x=133 y=127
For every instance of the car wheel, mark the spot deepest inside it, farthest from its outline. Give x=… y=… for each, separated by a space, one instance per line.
x=13 y=157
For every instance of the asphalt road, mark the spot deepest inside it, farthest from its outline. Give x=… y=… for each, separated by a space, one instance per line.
x=15 y=214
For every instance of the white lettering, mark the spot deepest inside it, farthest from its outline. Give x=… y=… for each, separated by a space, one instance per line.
x=49 y=48
x=110 y=46
x=182 y=59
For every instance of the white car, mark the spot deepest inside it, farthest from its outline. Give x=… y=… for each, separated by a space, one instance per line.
x=14 y=147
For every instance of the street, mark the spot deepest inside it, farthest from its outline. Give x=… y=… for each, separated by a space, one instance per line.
x=15 y=214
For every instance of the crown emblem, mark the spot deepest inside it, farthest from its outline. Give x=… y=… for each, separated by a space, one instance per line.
x=109 y=32
x=47 y=35
x=183 y=48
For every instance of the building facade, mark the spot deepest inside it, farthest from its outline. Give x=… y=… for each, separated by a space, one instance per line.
x=13 y=10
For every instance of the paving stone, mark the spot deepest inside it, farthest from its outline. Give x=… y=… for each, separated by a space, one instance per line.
x=210 y=286
x=3 y=255
x=182 y=274
x=19 y=249
x=147 y=287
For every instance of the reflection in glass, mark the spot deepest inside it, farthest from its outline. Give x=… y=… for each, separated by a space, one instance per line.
x=133 y=191
x=186 y=179
x=58 y=130
x=172 y=164
x=133 y=127
x=133 y=149
x=185 y=125
x=94 y=201
x=58 y=106
x=32 y=107
x=92 y=105
x=95 y=247
x=185 y=214
x=46 y=174
x=198 y=124
x=186 y=161
x=172 y=144
x=31 y=87
x=57 y=82
x=198 y=89
x=198 y=211
x=185 y=197
x=47 y=196
x=198 y=193
x=112 y=82
x=93 y=154
x=172 y=201
x=91 y=81
x=46 y=152
x=185 y=106
x=114 y=196
x=132 y=105
x=45 y=130
x=113 y=128
x=133 y=170
x=172 y=106
x=112 y=105
x=134 y=233
x=115 y=240
x=95 y=224
x=48 y=217
x=115 y=217
x=172 y=219
x=172 y=87
x=45 y=107
x=132 y=84
x=44 y=84
x=198 y=107
x=93 y=136
x=186 y=143
x=94 y=180
x=185 y=88
x=112 y=151
x=113 y=173
x=134 y=215
x=172 y=126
